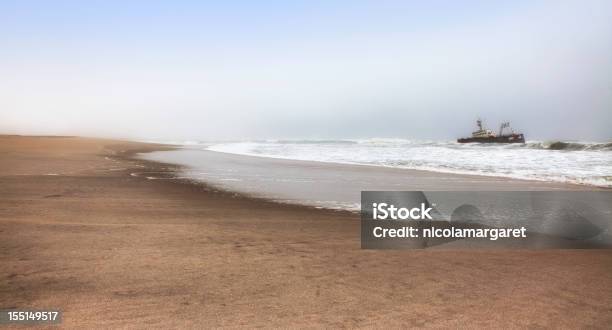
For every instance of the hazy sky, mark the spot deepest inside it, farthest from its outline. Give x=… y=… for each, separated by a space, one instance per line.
x=305 y=69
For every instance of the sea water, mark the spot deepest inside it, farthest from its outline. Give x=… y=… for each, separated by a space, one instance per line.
x=587 y=163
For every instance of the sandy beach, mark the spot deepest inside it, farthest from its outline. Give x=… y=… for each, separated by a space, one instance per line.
x=83 y=230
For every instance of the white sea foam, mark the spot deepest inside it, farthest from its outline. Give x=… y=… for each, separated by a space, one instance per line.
x=575 y=162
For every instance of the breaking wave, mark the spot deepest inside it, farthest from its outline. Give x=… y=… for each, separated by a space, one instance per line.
x=570 y=146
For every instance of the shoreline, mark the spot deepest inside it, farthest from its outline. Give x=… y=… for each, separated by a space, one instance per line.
x=113 y=250
x=338 y=186
x=569 y=184
x=171 y=171
x=424 y=171
x=572 y=163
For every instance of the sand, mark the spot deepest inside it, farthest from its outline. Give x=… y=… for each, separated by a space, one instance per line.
x=82 y=229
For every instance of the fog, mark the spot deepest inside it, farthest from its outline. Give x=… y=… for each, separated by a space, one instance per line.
x=191 y=71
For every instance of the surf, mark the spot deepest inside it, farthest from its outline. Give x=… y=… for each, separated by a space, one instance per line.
x=588 y=163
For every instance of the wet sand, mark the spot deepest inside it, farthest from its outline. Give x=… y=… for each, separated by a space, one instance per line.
x=82 y=229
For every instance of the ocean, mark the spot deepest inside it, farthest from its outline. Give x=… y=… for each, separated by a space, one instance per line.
x=588 y=163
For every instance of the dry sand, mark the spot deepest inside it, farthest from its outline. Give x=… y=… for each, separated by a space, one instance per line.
x=78 y=232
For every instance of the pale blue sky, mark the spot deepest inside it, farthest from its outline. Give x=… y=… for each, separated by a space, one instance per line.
x=310 y=69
